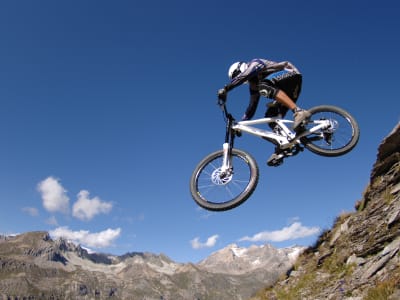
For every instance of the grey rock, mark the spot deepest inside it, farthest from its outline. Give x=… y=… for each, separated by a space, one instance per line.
x=360 y=255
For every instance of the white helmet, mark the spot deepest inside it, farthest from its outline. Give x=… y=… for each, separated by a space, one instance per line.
x=236 y=69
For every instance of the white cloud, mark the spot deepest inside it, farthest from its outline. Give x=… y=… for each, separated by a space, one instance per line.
x=32 y=211
x=85 y=208
x=96 y=240
x=54 y=196
x=293 y=220
x=52 y=221
x=292 y=232
x=196 y=244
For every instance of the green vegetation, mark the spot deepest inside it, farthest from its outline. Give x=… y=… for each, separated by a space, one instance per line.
x=382 y=291
x=306 y=282
x=388 y=196
x=336 y=266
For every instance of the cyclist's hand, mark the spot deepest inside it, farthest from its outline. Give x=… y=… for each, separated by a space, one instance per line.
x=222 y=94
x=221 y=97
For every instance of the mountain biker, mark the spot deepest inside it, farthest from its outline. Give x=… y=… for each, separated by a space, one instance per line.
x=280 y=81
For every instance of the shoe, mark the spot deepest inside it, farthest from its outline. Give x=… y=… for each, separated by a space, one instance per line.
x=275 y=160
x=299 y=117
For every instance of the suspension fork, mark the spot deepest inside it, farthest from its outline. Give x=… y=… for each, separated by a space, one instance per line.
x=228 y=146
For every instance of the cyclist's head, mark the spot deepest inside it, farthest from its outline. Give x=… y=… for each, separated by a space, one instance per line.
x=236 y=69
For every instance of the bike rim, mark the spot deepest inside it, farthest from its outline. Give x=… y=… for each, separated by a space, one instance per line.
x=216 y=190
x=337 y=136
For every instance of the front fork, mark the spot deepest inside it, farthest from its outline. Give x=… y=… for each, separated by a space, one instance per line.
x=227 y=147
x=226 y=161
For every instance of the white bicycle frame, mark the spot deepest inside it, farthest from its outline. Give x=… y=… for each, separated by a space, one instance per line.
x=286 y=139
x=281 y=139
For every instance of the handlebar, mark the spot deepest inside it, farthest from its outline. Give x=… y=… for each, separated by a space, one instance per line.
x=222 y=105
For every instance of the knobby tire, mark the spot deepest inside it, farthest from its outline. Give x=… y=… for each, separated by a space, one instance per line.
x=224 y=196
x=342 y=139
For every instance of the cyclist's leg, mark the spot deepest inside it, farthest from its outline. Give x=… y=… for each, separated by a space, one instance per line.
x=288 y=82
x=288 y=85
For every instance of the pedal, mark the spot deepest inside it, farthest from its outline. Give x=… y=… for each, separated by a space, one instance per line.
x=275 y=163
x=275 y=160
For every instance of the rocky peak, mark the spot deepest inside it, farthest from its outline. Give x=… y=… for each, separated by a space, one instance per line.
x=388 y=153
x=239 y=260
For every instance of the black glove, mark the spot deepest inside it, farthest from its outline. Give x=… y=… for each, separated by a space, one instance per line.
x=222 y=94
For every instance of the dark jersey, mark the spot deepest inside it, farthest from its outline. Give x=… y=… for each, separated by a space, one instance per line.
x=259 y=70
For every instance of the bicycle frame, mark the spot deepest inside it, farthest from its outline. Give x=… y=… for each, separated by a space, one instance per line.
x=285 y=139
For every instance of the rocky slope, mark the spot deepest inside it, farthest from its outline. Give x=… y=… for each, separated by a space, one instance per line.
x=359 y=258
x=33 y=266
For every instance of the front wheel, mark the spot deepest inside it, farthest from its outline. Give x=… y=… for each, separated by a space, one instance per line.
x=217 y=191
x=338 y=139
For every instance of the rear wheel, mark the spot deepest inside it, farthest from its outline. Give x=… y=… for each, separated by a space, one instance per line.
x=339 y=138
x=215 y=190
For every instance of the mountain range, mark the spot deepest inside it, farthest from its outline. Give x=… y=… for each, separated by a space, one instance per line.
x=33 y=266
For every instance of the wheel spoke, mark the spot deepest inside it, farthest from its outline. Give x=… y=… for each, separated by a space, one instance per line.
x=215 y=189
x=339 y=138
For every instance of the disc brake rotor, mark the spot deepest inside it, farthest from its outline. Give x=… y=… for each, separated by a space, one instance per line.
x=220 y=178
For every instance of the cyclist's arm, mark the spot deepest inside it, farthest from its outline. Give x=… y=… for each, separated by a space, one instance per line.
x=252 y=107
x=239 y=80
x=279 y=66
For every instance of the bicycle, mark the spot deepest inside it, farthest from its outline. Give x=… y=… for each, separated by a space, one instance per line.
x=226 y=178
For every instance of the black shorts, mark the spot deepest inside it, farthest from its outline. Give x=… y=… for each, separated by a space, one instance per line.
x=288 y=82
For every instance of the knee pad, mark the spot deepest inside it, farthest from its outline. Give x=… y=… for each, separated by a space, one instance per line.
x=267 y=90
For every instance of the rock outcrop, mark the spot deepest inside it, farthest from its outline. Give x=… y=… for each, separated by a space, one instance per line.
x=359 y=258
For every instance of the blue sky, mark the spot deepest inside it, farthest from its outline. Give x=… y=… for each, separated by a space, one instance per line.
x=107 y=106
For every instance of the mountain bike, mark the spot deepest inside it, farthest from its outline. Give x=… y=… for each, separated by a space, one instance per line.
x=226 y=178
